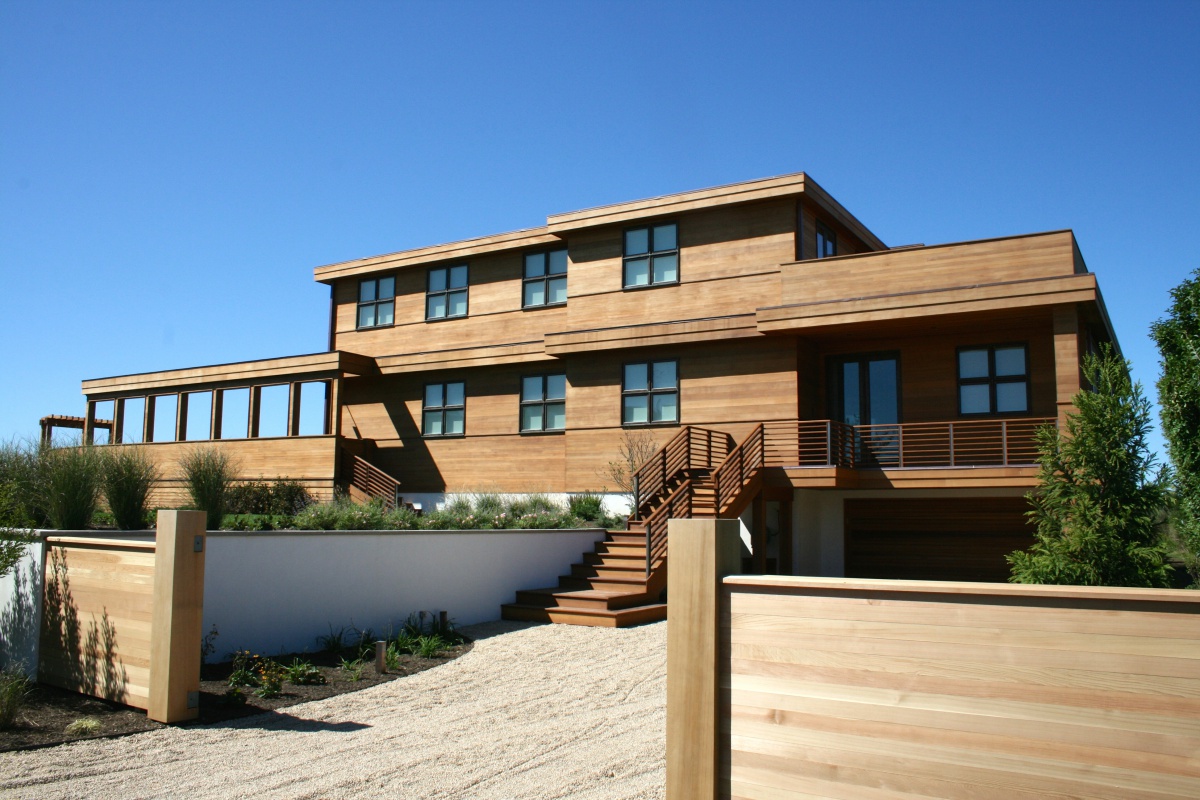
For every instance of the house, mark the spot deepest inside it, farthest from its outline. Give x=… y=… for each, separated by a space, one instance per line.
x=868 y=411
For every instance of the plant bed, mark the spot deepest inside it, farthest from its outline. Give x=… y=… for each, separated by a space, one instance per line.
x=46 y=713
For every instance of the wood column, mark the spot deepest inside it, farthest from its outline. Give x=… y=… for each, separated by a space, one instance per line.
x=89 y=423
x=702 y=551
x=333 y=411
x=1067 y=374
x=148 y=419
x=116 y=434
x=255 y=403
x=293 y=418
x=181 y=415
x=218 y=407
x=176 y=624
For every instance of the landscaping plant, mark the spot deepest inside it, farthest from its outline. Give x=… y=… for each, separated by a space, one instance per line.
x=209 y=474
x=85 y=726
x=353 y=669
x=303 y=673
x=271 y=676
x=19 y=479
x=14 y=688
x=69 y=485
x=1099 y=496
x=128 y=476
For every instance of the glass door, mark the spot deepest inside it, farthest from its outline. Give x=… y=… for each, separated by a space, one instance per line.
x=866 y=395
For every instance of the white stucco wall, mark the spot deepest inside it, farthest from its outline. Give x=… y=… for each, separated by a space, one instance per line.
x=21 y=611
x=277 y=592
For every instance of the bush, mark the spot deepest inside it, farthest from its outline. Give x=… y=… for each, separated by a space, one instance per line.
x=256 y=522
x=587 y=506
x=342 y=515
x=209 y=474
x=128 y=477
x=285 y=497
x=69 y=484
x=14 y=688
x=19 y=478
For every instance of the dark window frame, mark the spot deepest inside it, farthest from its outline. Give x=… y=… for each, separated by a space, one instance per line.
x=360 y=303
x=447 y=292
x=825 y=235
x=649 y=394
x=835 y=384
x=544 y=403
x=650 y=255
x=544 y=279
x=443 y=408
x=991 y=380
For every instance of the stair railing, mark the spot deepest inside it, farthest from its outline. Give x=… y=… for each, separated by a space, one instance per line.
x=690 y=448
x=743 y=462
x=370 y=479
x=677 y=506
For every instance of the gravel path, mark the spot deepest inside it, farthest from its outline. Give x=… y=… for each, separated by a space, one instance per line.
x=544 y=711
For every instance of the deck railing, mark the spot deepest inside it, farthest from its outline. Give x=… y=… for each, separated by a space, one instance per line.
x=691 y=448
x=962 y=443
x=743 y=462
x=370 y=479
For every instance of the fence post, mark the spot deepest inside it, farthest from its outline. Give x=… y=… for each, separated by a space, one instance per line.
x=702 y=552
x=175 y=627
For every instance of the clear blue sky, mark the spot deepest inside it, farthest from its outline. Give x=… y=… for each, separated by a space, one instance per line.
x=171 y=172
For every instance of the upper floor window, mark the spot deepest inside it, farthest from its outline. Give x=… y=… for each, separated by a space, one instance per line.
x=545 y=282
x=446 y=295
x=826 y=241
x=650 y=393
x=376 y=302
x=651 y=255
x=543 y=403
x=993 y=380
x=445 y=409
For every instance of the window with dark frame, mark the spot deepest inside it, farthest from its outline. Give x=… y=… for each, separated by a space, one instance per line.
x=545 y=280
x=650 y=393
x=376 y=302
x=993 y=380
x=543 y=403
x=446 y=293
x=445 y=410
x=826 y=241
x=651 y=255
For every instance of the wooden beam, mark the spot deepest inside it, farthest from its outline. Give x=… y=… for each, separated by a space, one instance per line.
x=333 y=411
x=254 y=415
x=148 y=419
x=1066 y=359
x=89 y=423
x=176 y=620
x=116 y=434
x=181 y=415
x=702 y=552
x=218 y=408
x=293 y=418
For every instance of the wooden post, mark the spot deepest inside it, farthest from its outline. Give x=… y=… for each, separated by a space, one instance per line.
x=148 y=419
x=293 y=419
x=333 y=410
x=218 y=408
x=702 y=552
x=116 y=434
x=181 y=415
x=89 y=423
x=1066 y=359
x=252 y=422
x=176 y=624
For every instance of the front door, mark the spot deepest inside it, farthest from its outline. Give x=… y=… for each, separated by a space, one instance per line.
x=866 y=395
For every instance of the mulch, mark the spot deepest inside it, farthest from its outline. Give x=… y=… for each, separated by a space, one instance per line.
x=48 y=710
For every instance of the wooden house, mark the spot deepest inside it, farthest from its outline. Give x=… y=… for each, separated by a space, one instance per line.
x=868 y=411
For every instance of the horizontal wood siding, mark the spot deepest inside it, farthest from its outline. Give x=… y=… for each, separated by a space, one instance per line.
x=97 y=621
x=857 y=689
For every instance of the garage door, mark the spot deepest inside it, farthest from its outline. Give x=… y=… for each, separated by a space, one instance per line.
x=949 y=539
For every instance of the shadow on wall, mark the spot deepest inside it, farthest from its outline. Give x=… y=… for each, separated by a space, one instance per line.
x=19 y=621
x=89 y=665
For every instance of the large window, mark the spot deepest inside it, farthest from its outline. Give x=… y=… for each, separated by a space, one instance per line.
x=993 y=380
x=651 y=255
x=826 y=241
x=543 y=403
x=446 y=295
x=376 y=302
x=545 y=282
x=445 y=409
x=650 y=393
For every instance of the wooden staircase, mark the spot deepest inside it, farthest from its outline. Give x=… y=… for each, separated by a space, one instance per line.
x=623 y=579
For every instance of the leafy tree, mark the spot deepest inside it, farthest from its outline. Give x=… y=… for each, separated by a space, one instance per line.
x=1178 y=339
x=1100 y=492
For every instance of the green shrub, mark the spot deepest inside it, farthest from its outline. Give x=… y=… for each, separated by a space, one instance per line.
x=290 y=497
x=353 y=669
x=14 y=688
x=209 y=474
x=128 y=477
x=303 y=673
x=429 y=646
x=284 y=497
x=271 y=676
x=84 y=726
x=401 y=519
x=256 y=522
x=342 y=515
x=488 y=505
x=587 y=506
x=70 y=482
x=19 y=478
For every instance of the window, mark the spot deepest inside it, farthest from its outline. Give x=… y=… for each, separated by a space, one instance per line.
x=445 y=409
x=446 y=296
x=543 y=403
x=545 y=282
x=376 y=302
x=826 y=241
x=993 y=380
x=650 y=393
x=651 y=256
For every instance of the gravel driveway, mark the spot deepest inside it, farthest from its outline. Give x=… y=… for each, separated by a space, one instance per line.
x=545 y=711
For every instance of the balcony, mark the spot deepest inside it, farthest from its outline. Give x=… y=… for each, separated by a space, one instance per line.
x=912 y=445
